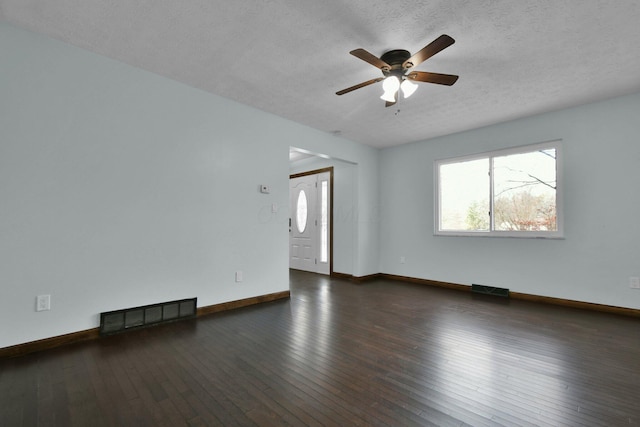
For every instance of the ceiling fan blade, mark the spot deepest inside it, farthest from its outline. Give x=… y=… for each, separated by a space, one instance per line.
x=371 y=59
x=437 y=78
x=442 y=42
x=359 y=85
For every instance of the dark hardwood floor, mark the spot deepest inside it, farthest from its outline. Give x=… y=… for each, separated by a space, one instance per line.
x=340 y=353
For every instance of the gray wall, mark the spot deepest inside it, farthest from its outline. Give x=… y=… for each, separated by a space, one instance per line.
x=601 y=249
x=121 y=188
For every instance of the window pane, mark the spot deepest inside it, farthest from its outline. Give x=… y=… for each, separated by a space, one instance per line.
x=525 y=191
x=301 y=212
x=464 y=191
x=324 y=221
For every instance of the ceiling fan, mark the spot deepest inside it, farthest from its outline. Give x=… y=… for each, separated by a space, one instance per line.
x=396 y=67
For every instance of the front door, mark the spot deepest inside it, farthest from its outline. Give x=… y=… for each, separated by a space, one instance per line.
x=309 y=223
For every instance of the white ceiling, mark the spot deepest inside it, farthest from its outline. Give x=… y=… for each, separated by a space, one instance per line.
x=515 y=58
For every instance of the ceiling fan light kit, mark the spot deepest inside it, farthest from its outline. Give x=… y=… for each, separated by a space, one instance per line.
x=395 y=66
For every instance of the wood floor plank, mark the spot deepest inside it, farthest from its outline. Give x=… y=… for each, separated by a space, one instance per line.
x=337 y=353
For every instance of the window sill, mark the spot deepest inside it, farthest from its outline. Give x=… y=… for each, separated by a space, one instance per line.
x=501 y=235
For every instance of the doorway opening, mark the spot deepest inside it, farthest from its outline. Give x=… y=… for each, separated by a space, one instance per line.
x=311 y=221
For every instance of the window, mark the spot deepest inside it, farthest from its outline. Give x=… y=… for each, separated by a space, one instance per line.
x=324 y=221
x=301 y=212
x=512 y=193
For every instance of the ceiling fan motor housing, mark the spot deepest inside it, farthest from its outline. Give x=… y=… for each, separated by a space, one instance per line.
x=395 y=58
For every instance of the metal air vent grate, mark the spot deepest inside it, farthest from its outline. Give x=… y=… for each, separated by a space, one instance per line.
x=113 y=322
x=490 y=290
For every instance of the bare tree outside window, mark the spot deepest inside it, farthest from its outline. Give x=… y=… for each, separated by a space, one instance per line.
x=525 y=191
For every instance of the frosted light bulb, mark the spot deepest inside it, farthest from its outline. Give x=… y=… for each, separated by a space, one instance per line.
x=390 y=85
x=408 y=87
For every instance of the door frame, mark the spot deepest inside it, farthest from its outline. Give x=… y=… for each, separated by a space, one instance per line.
x=315 y=172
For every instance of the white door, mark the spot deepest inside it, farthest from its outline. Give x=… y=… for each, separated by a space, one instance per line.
x=309 y=223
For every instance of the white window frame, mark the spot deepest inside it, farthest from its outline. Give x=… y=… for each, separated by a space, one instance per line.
x=490 y=155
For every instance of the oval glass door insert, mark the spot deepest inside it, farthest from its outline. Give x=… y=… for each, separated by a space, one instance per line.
x=301 y=212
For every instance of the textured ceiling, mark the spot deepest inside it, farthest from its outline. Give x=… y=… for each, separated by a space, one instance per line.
x=289 y=57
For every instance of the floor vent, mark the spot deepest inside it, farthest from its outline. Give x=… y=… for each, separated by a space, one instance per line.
x=490 y=290
x=113 y=322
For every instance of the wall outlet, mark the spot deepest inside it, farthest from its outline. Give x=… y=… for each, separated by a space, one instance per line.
x=43 y=302
x=634 y=282
x=402 y=260
x=239 y=276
